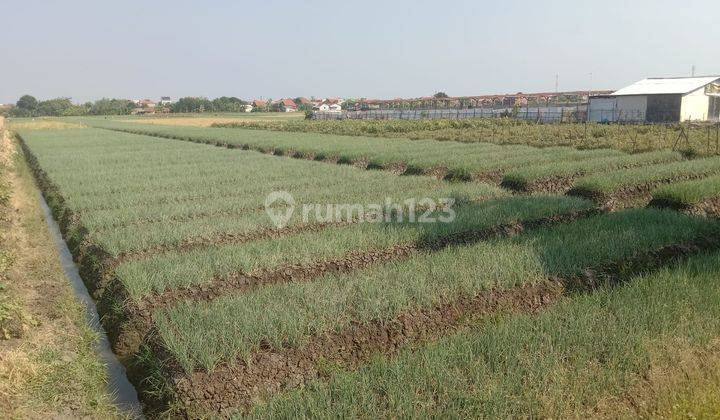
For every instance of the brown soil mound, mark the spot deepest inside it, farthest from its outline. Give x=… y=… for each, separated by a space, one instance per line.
x=706 y=208
x=557 y=185
x=709 y=207
x=439 y=172
x=361 y=163
x=490 y=177
x=333 y=159
x=397 y=168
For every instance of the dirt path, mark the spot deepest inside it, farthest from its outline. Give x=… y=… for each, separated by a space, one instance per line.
x=48 y=366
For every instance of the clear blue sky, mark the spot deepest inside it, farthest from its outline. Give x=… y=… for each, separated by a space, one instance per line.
x=379 y=49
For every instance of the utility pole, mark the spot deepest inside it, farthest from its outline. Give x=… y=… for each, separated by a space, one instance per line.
x=557 y=78
x=692 y=72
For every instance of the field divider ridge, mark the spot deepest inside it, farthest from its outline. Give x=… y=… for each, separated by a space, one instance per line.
x=135 y=320
x=272 y=369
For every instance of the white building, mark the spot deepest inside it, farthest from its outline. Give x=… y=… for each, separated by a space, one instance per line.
x=670 y=99
x=328 y=105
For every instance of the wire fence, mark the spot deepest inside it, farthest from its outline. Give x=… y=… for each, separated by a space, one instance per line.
x=545 y=126
x=546 y=115
x=701 y=138
x=538 y=114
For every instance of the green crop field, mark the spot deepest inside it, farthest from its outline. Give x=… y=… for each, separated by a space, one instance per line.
x=388 y=293
x=458 y=160
x=559 y=176
x=636 y=181
x=576 y=360
x=632 y=138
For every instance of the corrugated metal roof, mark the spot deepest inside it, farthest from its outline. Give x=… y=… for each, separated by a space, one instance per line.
x=656 y=86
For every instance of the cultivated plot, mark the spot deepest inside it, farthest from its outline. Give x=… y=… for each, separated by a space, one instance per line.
x=451 y=160
x=635 y=184
x=219 y=309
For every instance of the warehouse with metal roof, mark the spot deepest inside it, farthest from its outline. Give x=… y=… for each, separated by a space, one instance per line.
x=670 y=99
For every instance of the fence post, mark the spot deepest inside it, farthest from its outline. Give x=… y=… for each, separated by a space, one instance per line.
x=707 y=129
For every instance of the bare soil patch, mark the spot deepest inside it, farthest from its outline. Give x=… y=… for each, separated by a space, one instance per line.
x=552 y=185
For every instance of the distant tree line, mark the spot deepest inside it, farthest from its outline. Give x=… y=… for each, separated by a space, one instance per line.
x=29 y=106
x=199 y=104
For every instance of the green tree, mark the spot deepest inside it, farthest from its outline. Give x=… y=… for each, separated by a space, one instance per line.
x=349 y=104
x=192 y=104
x=228 y=104
x=54 y=107
x=107 y=106
x=27 y=103
x=441 y=95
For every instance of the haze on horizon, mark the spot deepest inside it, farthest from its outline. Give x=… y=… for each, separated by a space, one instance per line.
x=87 y=50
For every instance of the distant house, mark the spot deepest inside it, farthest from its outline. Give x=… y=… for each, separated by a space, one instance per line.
x=147 y=103
x=259 y=104
x=366 y=104
x=144 y=106
x=332 y=100
x=248 y=108
x=321 y=106
x=283 y=105
x=165 y=100
x=289 y=105
x=303 y=101
x=670 y=99
x=329 y=105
